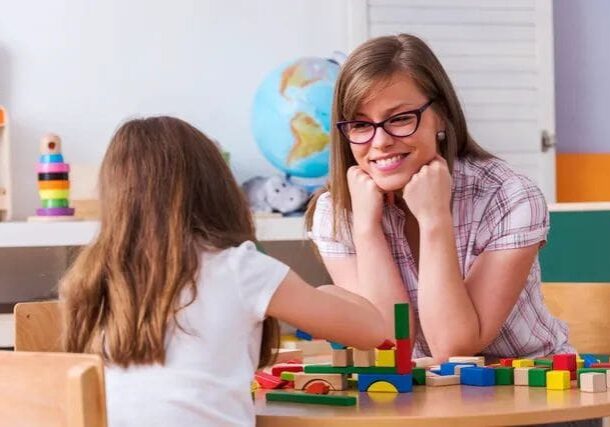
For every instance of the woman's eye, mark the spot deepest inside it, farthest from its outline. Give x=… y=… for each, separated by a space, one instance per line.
x=401 y=120
x=277 y=190
x=360 y=125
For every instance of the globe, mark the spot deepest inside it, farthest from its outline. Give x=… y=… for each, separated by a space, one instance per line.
x=291 y=116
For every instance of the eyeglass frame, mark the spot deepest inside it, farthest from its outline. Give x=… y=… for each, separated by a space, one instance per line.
x=417 y=112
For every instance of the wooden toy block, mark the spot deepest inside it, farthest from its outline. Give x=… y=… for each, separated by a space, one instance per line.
x=521 y=376
x=363 y=358
x=401 y=321
x=431 y=374
x=507 y=362
x=317 y=387
x=608 y=379
x=309 y=348
x=580 y=363
x=268 y=381
x=352 y=383
x=544 y=362
x=593 y=382
x=337 y=346
x=386 y=345
x=401 y=383
x=342 y=358
x=438 y=380
x=536 y=377
x=600 y=365
x=505 y=375
x=478 y=376
x=564 y=362
x=321 y=399
x=286 y=355
x=523 y=363
x=419 y=376
x=287 y=376
x=424 y=362
x=477 y=360
x=404 y=365
x=448 y=368
x=385 y=358
x=558 y=380
x=277 y=370
x=589 y=359
x=302 y=335
x=581 y=371
x=335 y=381
x=327 y=369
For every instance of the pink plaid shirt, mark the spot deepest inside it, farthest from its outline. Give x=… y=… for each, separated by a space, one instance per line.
x=493 y=209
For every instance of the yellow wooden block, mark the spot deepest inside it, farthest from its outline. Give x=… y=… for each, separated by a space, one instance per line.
x=523 y=363
x=558 y=380
x=580 y=363
x=384 y=358
x=382 y=386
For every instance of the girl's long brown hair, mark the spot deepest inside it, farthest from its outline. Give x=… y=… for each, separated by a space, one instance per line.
x=376 y=61
x=166 y=194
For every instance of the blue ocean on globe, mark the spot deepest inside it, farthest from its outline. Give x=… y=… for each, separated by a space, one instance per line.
x=291 y=116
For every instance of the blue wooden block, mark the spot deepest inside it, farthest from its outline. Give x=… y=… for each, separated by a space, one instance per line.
x=337 y=346
x=436 y=371
x=479 y=376
x=403 y=383
x=448 y=368
x=51 y=158
x=589 y=359
x=302 y=335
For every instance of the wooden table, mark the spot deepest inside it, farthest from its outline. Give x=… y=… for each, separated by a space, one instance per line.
x=450 y=405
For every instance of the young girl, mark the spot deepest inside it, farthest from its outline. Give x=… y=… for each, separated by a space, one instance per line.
x=173 y=293
x=417 y=211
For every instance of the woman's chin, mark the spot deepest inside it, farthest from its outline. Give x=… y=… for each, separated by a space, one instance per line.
x=388 y=185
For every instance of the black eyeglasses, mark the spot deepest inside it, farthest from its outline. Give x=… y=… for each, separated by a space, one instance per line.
x=399 y=125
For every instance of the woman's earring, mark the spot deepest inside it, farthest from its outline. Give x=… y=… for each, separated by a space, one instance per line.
x=441 y=136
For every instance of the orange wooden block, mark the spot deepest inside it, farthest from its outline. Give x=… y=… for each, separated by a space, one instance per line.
x=317 y=387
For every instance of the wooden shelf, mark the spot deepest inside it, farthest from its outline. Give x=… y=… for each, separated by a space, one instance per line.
x=79 y=233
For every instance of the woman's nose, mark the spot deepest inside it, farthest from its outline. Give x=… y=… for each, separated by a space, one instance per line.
x=382 y=139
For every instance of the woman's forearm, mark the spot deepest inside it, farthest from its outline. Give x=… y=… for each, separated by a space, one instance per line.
x=448 y=317
x=379 y=279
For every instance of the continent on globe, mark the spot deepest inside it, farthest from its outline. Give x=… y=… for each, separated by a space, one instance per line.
x=303 y=73
x=309 y=137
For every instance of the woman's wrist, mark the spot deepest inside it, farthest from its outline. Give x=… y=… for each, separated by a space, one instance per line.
x=434 y=223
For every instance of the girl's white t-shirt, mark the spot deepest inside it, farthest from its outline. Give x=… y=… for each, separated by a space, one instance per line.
x=209 y=369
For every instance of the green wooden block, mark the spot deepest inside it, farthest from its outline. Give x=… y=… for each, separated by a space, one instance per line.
x=536 y=377
x=287 y=376
x=585 y=370
x=320 y=399
x=604 y=358
x=505 y=375
x=401 y=321
x=328 y=369
x=543 y=362
x=419 y=376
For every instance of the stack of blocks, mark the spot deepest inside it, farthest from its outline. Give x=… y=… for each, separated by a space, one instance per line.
x=53 y=181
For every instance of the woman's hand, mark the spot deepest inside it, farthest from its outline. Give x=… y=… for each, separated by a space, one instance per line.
x=367 y=200
x=428 y=192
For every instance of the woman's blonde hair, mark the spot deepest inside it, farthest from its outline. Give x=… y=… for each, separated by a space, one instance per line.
x=374 y=62
x=166 y=193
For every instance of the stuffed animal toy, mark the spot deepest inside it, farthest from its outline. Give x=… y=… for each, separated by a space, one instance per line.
x=274 y=194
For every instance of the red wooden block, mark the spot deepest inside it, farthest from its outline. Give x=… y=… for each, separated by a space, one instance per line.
x=403 y=356
x=268 y=381
x=564 y=362
x=386 y=345
x=317 y=387
x=507 y=362
x=572 y=375
x=600 y=365
x=284 y=367
x=289 y=384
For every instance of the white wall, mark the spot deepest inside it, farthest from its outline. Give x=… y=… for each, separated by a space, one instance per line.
x=80 y=67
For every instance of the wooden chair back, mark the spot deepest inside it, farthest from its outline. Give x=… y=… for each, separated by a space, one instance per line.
x=37 y=326
x=585 y=307
x=52 y=389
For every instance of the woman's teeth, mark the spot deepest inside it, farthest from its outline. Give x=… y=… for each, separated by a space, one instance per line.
x=390 y=160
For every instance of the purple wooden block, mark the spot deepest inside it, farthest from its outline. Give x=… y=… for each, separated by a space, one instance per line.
x=55 y=211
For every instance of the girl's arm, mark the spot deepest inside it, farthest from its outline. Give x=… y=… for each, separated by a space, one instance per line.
x=328 y=312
